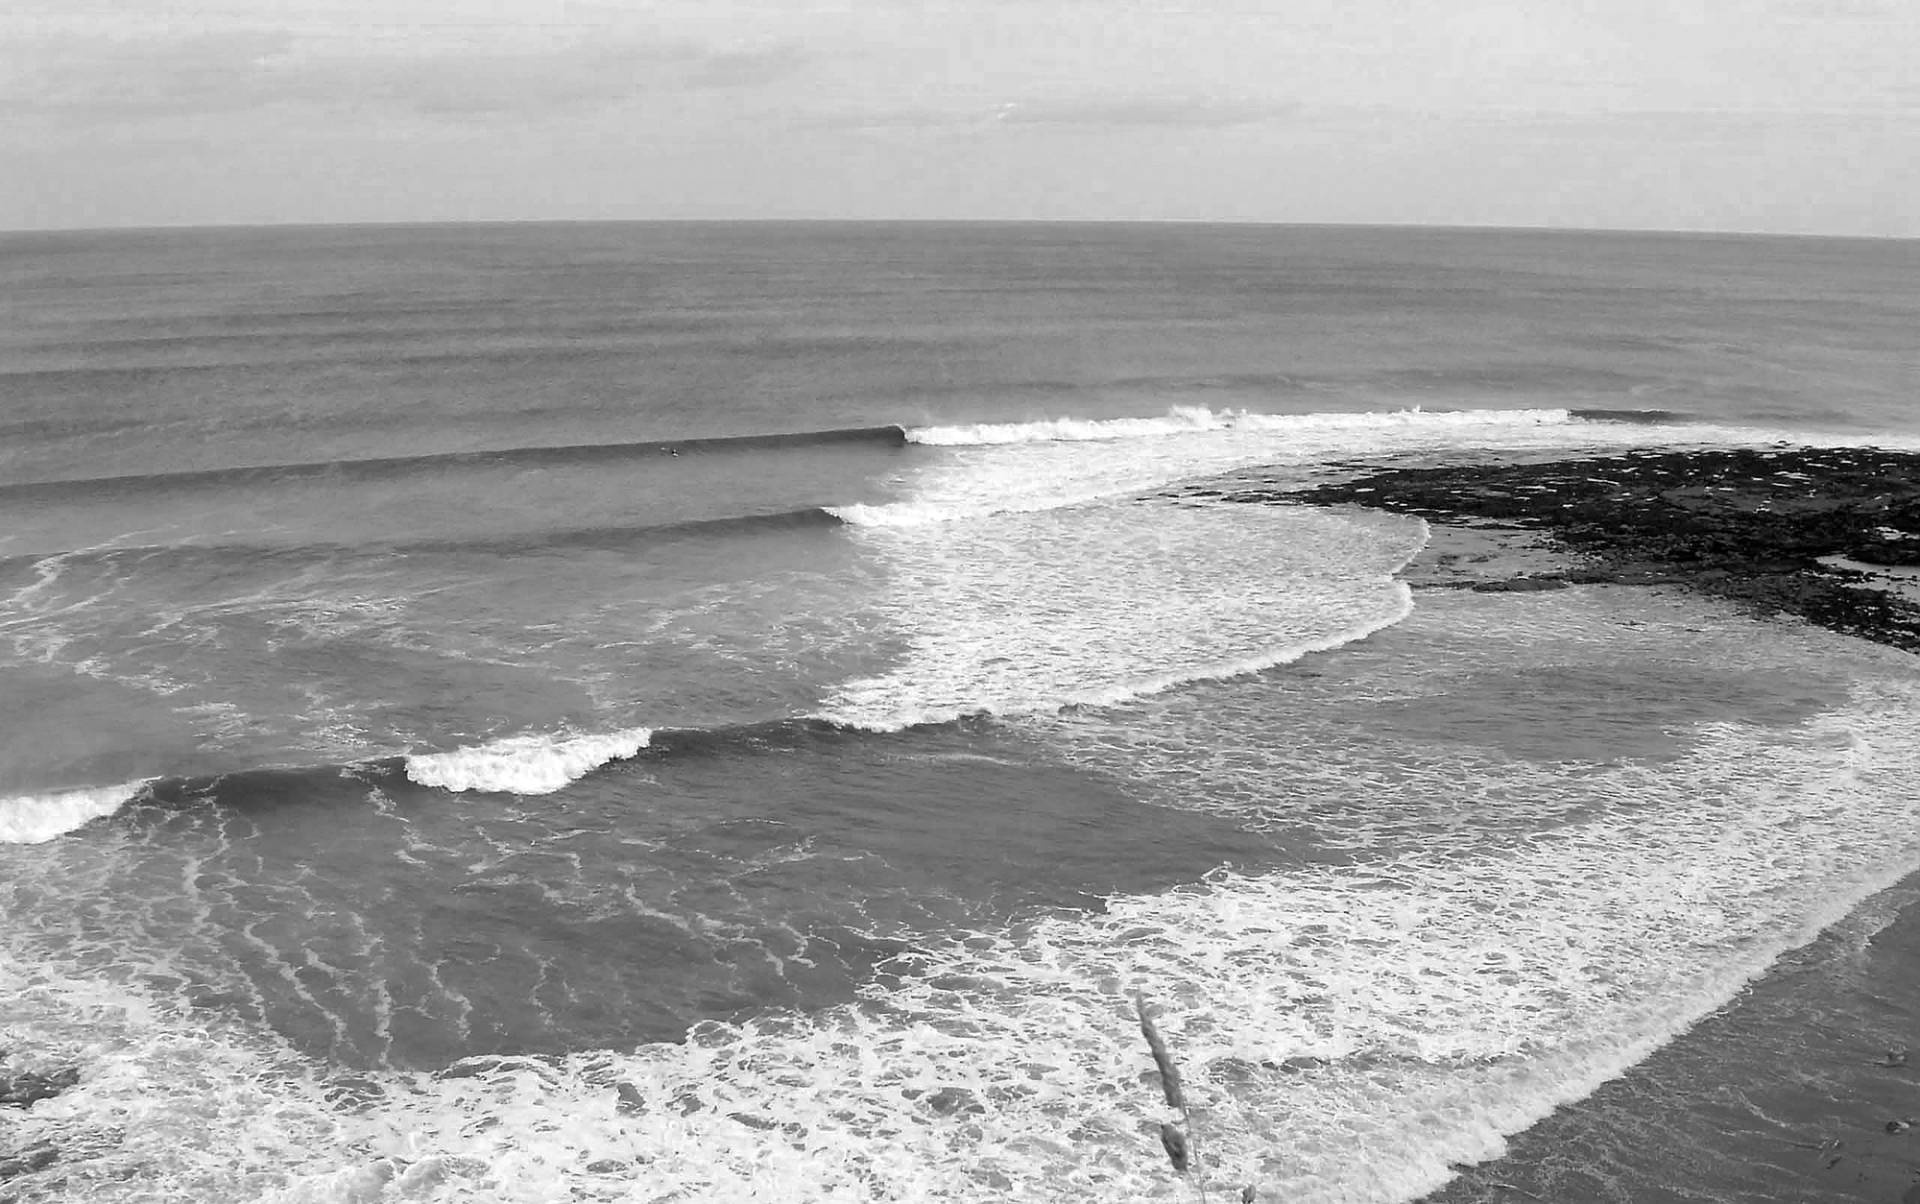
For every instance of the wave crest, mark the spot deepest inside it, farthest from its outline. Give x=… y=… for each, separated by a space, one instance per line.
x=532 y=764
x=1183 y=420
x=38 y=818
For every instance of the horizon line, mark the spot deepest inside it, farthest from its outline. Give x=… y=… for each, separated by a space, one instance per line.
x=1704 y=232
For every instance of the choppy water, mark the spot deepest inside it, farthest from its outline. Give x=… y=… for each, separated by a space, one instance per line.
x=687 y=712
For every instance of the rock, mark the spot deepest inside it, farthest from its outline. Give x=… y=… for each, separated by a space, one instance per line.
x=27 y=1089
x=951 y=1101
x=1519 y=585
x=1890 y=554
x=1743 y=524
x=25 y=1161
x=628 y=1099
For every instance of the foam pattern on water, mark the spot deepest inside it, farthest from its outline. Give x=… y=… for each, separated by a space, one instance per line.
x=1003 y=615
x=1348 y=1028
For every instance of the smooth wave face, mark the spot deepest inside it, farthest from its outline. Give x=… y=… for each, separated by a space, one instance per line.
x=361 y=471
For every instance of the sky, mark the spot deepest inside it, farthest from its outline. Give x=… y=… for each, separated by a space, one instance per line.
x=1785 y=116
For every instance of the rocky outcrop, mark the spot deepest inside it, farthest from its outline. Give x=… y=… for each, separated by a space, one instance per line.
x=38 y=1156
x=25 y=1089
x=1752 y=525
x=20 y=1088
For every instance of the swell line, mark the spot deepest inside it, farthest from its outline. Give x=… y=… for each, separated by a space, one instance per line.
x=613 y=535
x=382 y=467
x=545 y=763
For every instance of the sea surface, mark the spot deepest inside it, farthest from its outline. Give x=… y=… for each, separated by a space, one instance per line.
x=738 y=712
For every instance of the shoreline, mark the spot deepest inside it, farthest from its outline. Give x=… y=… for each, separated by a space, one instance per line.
x=1801 y=1086
x=1798 y=1088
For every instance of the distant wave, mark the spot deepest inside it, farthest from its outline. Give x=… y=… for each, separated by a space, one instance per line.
x=1119 y=456
x=616 y=535
x=907 y=514
x=1183 y=420
x=384 y=467
x=37 y=818
x=1178 y=420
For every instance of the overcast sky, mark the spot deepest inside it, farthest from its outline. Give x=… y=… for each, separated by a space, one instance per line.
x=1775 y=115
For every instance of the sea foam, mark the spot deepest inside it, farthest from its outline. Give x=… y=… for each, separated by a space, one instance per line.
x=1030 y=613
x=1348 y=1029
x=37 y=818
x=1184 y=420
x=527 y=764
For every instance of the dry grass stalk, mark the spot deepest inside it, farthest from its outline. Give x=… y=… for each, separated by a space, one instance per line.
x=1180 y=1141
x=1162 y=1057
x=1176 y=1146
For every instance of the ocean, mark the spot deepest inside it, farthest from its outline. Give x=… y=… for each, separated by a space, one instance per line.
x=686 y=712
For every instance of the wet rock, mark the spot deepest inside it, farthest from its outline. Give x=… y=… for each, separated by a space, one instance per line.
x=25 y=1089
x=628 y=1099
x=1519 y=585
x=1750 y=525
x=951 y=1101
x=25 y=1161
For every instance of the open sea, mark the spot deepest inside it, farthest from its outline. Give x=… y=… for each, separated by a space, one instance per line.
x=736 y=712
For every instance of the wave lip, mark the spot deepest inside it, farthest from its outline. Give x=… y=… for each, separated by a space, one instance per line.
x=38 y=818
x=529 y=764
x=1185 y=420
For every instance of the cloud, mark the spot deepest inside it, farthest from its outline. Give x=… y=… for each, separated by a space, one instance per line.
x=1181 y=112
x=1876 y=11
x=240 y=71
x=1091 y=114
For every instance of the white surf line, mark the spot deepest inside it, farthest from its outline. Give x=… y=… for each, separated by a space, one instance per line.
x=38 y=818
x=525 y=764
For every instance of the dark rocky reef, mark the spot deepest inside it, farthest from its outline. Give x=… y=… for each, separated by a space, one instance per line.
x=23 y=1089
x=1752 y=525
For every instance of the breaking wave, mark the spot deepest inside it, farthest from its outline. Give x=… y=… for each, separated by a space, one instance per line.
x=38 y=818
x=532 y=764
x=1181 y=420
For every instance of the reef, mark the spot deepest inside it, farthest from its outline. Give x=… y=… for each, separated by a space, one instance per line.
x=21 y=1088
x=1820 y=533
x=25 y=1089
